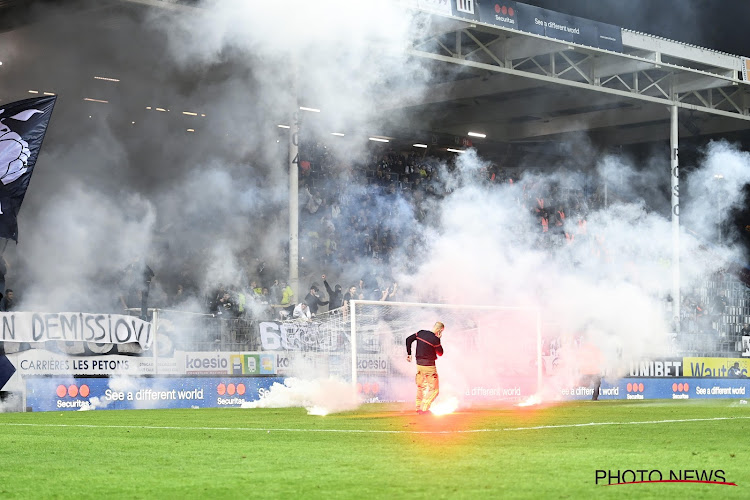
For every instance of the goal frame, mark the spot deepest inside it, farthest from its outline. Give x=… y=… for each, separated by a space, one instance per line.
x=353 y=311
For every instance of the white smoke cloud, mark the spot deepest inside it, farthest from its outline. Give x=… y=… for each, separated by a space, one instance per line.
x=716 y=189
x=317 y=396
x=611 y=288
x=119 y=383
x=100 y=198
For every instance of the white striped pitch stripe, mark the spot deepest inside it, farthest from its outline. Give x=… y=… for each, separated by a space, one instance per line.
x=367 y=431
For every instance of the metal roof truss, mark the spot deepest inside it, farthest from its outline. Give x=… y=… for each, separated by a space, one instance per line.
x=650 y=70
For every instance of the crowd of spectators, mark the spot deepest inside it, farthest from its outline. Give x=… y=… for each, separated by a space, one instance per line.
x=364 y=222
x=361 y=219
x=709 y=312
x=279 y=301
x=370 y=212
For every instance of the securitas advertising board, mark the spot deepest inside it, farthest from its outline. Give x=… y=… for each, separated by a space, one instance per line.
x=569 y=28
x=549 y=23
x=66 y=393
x=661 y=388
x=499 y=13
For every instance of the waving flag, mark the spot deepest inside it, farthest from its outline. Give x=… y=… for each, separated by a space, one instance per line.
x=22 y=128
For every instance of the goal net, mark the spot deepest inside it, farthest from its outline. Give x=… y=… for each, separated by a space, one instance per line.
x=491 y=352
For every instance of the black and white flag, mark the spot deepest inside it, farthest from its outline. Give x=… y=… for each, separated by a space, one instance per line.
x=22 y=128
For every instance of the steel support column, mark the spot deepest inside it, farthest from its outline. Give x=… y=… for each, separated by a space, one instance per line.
x=675 y=174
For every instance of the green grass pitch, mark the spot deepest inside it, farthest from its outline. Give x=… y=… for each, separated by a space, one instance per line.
x=378 y=451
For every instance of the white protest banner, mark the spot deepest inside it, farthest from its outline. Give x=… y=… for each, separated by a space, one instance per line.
x=73 y=327
x=298 y=336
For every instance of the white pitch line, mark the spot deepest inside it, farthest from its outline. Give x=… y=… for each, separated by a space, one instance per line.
x=369 y=431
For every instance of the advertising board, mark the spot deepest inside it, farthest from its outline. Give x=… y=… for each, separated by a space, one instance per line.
x=67 y=393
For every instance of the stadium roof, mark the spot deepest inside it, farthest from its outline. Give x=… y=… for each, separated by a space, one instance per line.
x=515 y=86
x=520 y=86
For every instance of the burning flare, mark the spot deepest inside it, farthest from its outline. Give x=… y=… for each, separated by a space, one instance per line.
x=445 y=406
x=530 y=401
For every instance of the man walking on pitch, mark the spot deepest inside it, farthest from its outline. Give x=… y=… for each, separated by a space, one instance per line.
x=428 y=349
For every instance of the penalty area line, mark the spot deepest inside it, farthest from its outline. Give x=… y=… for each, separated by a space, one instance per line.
x=367 y=431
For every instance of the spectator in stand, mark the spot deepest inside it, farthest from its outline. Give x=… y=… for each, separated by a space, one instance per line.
x=135 y=284
x=544 y=220
x=330 y=247
x=287 y=294
x=7 y=303
x=702 y=319
x=366 y=249
x=313 y=201
x=719 y=303
x=335 y=297
x=386 y=248
x=255 y=289
x=377 y=292
x=735 y=371
x=351 y=294
x=3 y=271
x=212 y=297
x=687 y=313
x=302 y=312
x=389 y=293
x=178 y=297
x=260 y=269
x=235 y=295
x=559 y=229
x=241 y=299
x=275 y=293
x=224 y=305
x=375 y=252
x=312 y=299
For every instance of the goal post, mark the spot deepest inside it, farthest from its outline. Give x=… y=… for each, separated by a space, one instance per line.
x=492 y=352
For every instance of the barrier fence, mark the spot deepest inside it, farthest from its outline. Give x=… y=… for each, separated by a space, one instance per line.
x=194 y=332
x=243 y=358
